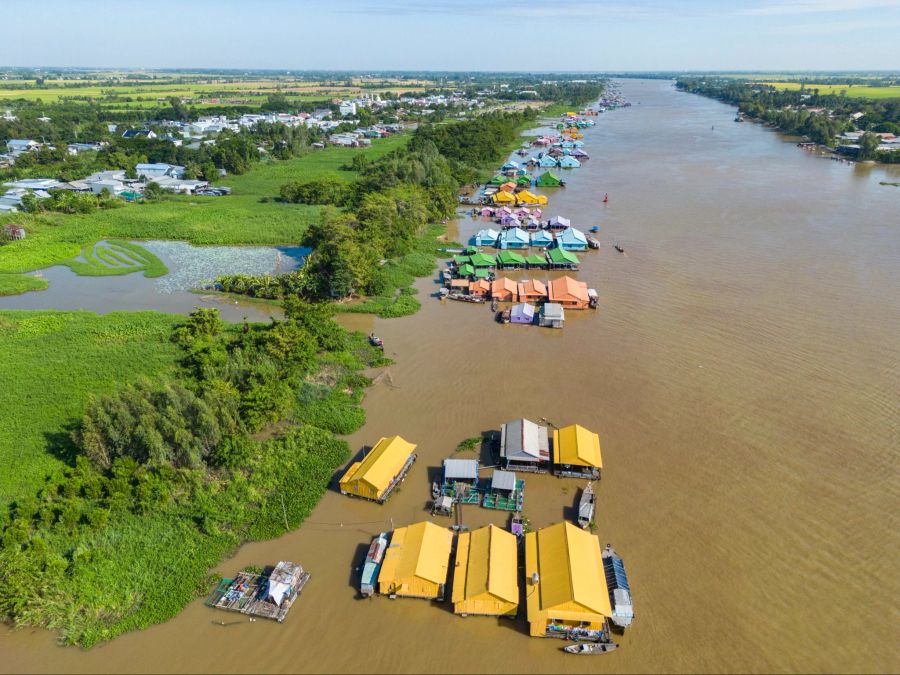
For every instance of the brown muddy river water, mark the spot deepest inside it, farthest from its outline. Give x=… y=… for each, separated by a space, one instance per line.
x=743 y=373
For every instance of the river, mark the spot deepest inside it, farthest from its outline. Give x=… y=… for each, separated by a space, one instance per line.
x=743 y=373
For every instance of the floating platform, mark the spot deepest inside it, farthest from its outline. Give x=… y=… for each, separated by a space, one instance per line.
x=268 y=596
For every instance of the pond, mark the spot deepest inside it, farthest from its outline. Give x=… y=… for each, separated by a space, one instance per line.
x=190 y=267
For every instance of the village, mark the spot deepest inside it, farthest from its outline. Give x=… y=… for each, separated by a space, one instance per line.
x=574 y=589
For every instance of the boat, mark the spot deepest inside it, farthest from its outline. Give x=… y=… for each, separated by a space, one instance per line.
x=435 y=490
x=593 y=298
x=465 y=298
x=586 y=507
x=372 y=565
x=606 y=198
x=619 y=590
x=517 y=524
x=443 y=292
x=494 y=304
x=594 y=648
x=593 y=242
x=504 y=316
x=595 y=228
x=619 y=248
x=376 y=341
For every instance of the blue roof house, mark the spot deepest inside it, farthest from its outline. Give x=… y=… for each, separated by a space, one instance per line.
x=541 y=239
x=572 y=240
x=548 y=162
x=486 y=237
x=514 y=237
x=569 y=162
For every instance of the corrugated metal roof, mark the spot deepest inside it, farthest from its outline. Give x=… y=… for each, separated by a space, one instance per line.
x=465 y=469
x=523 y=440
x=382 y=464
x=421 y=550
x=489 y=565
x=578 y=446
x=503 y=480
x=571 y=569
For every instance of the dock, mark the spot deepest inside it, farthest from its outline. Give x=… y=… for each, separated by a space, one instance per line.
x=269 y=596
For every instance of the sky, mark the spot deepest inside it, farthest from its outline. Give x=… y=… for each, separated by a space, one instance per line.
x=368 y=35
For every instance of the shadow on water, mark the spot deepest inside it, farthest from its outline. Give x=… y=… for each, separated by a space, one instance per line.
x=356 y=567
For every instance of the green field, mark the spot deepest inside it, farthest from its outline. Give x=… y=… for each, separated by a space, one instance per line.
x=855 y=91
x=66 y=355
x=240 y=218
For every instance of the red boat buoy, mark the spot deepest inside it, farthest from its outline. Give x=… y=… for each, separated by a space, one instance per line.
x=606 y=198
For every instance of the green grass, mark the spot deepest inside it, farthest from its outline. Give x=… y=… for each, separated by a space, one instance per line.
x=249 y=216
x=14 y=284
x=66 y=356
x=856 y=91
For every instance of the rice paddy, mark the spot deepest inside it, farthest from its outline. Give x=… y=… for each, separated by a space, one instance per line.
x=851 y=91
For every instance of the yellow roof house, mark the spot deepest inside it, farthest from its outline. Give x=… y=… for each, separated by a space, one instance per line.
x=577 y=449
x=377 y=473
x=485 y=578
x=526 y=197
x=416 y=561
x=565 y=586
x=503 y=197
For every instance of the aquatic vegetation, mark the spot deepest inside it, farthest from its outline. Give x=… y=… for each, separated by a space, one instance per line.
x=13 y=284
x=114 y=258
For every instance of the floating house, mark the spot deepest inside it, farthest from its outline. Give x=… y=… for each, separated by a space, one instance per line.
x=523 y=180
x=559 y=223
x=485 y=576
x=268 y=596
x=486 y=237
x=487 y=211
x=504 y=289
x=552 y=315
x=510 y=166
x=572 y=240
x=532 y=224
x=548 y=162
x=503 y=211
x=580 y=154
x=509 y=186
x=568 y=162
x=379 y=472
x=569 y=292
x=561 y=259
x=537 y=261
x=524 y=446
x=526 y=197
x=541 y=239
x=532 y=290
x=510 y=260
x=480 y=288
x=416 y=562
x=523 y=313
x=576 y=452
x=510 y=220
x=566 y=588
x=503 y=197
x=498 y=179
x=505 y=492
x=548 y=179
x=522 y=212
x=466 y=270
x=481 y=260
x=514 y=237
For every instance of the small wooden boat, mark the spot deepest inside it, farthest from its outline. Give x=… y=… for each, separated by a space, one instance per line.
x=505 y=316
x=592 y=242
x=593 y=648
x=465 y=298
x=606 y=198
x=619 y=248
x=586 y=507
x=376 y=341
x=435 y=490
x=494 y=304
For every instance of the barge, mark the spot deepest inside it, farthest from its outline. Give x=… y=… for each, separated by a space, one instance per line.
x=269 y=596
x=372 y=566
x=619 y=590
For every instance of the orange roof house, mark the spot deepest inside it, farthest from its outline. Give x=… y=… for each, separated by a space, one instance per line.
x=505 y=289
x=479 y=287
x=569 y=293
x=532 y=290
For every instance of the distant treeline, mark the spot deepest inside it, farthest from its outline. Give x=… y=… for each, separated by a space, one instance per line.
x=788 y=110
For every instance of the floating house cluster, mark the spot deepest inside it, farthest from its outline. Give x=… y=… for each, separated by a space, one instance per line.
x=574 y=589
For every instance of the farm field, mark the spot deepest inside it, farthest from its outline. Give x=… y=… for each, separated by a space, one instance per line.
x=67 y=356
x=855 y=91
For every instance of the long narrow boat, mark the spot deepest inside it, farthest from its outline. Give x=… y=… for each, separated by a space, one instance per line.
x=619 y=590
x=373 y=564
x=589 y=649
x=586 y=507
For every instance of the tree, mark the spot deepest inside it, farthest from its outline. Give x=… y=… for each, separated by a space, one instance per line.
x=868 y=144
x=153 y=192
